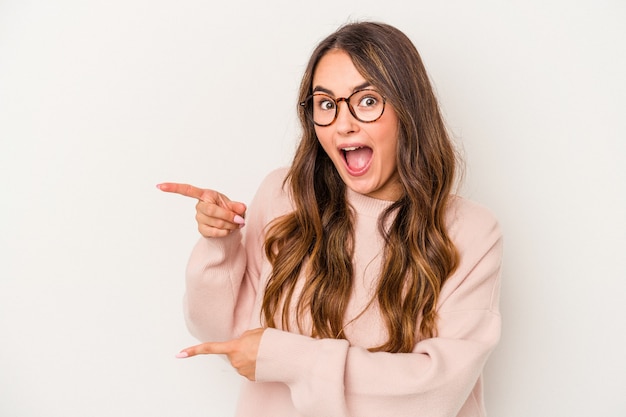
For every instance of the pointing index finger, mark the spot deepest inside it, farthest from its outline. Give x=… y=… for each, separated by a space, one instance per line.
x=205 y=349
x=182 y=189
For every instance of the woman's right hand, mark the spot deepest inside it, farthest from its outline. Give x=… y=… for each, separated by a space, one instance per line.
x=216 y=215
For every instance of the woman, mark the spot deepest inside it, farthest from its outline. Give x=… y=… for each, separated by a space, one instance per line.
x=359 y=286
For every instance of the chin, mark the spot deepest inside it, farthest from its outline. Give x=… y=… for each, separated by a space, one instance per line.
x=362 y=188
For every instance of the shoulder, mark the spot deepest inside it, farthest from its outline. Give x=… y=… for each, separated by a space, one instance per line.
x=272 y=196
x=471 y=224
x=274 y=180
x=476 y=234
x=273 y=186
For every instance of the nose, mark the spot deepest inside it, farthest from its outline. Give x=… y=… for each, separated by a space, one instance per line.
x=345 y=121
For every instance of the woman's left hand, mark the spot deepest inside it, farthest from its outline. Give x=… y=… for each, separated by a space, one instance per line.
x=241 y=352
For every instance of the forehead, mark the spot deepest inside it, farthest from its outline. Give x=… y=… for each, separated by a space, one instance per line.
x=336 y=73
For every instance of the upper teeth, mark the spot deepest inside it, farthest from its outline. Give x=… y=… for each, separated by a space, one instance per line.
x=352 y=148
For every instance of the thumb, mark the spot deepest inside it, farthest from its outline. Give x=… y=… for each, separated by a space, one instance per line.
x=237 y=207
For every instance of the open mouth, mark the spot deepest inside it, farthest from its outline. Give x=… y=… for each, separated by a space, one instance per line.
x=357 y=158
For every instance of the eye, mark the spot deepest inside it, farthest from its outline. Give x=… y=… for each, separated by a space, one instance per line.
x=323 y=103
x=368 y=101
x=326 y=104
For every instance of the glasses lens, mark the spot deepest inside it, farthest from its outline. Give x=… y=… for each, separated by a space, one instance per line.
x=368 y=105
x=322 y=109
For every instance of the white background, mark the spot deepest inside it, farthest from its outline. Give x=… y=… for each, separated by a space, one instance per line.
x=101 y=100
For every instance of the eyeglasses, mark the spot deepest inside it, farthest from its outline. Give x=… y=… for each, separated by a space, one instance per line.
x=365 y=105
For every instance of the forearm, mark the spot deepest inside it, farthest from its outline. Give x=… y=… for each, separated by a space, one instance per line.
x=214 y=274
x=434 y=380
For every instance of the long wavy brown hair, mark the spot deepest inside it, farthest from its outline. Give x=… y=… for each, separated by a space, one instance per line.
x=316 y=240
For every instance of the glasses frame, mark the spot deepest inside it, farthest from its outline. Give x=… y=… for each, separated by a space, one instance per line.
x=338 y=100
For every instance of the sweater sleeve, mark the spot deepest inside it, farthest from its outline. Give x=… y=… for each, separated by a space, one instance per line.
x=214 y=275
x=222 y=275
x=329 y=377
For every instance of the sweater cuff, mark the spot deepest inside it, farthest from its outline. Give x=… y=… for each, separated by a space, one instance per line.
x=211 y=252
x=288 y=357
x=222 y=247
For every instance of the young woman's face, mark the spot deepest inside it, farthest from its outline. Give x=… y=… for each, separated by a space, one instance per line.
x=364 y=154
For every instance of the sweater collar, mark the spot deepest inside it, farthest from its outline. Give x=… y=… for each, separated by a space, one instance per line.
x=368 y=206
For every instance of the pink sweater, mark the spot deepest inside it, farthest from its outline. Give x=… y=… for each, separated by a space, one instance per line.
x=301 y=376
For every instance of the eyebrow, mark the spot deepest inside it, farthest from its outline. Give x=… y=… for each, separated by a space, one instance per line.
x=330 y=93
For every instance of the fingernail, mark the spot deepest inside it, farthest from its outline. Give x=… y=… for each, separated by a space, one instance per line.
x=239 y=220
x=182 y=355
